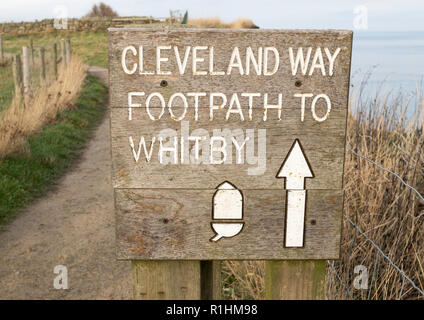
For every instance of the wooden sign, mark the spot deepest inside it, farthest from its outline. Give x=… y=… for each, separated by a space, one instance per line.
x=228 y=144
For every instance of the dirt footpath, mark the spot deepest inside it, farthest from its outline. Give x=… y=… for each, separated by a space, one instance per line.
x=71 y=226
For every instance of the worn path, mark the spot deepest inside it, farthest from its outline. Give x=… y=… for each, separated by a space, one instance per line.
x=71 y=226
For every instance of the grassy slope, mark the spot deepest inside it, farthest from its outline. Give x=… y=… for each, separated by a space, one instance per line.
x=51 y=151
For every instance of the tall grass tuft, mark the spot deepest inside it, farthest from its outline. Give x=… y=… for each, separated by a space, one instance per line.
x=386 y=130
x=25 y=117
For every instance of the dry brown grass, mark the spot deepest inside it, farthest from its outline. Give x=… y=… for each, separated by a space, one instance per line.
x=240 y=23
x=244 y=279
x=41 y=107
x=385 y=209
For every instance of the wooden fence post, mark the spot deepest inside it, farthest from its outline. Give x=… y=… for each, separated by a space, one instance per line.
x=41 y=52
x=55 y=60
x=295 y=279
x=166 y=280
x=26 y=69
x=1 y=47
x=179 y=280
x=211 y=282
x=31 y=45
x=63 y=51
x=17 y=76
x=68 y=50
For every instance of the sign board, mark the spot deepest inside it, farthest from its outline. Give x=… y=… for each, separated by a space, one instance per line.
x=228 y=144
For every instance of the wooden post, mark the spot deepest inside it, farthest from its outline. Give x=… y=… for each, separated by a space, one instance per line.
x=17 y=76
x=68 y=50
x=166 y=280
x=295 y=280
x=1 y=47
x=211 y=282
x=63 y=51
x=31 y=45
x=55 y=60
x=176 y=280
x=26 y=69
x=41 y=52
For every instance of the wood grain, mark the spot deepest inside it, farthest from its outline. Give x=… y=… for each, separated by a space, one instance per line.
x=323 y=145
x=164 y=211
x=224 y=41
x=295 y=280
x=166 y=280
x=323 y=141
x=161 y=224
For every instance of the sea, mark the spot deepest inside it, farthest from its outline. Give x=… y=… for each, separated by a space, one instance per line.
x=393 y=60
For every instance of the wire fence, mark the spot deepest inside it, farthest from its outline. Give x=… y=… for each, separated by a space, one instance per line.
x=379 y=251
x=7 y=88
x=34 y=68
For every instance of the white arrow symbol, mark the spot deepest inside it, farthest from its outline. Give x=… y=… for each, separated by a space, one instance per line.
x=295 y=169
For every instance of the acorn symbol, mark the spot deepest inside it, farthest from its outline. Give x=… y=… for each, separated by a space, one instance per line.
x=227 y=205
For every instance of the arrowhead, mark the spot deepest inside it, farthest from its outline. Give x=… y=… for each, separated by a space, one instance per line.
x=295 y=168
x=226 y=186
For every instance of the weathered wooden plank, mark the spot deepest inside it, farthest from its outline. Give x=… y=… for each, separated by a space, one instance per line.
x=26 y=70
x=41 y=53
x=157 y=224
x=63 y=51
x=295 y=280
x=17 y=76
x=31 y=47
x=223 y=42
x=323 y=145
x=68 y=50
x=166 y=280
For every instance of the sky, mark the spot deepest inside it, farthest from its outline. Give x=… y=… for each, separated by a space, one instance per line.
x=373 y=15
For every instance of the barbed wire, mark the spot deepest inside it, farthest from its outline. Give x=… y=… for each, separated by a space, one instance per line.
x=384 y=255
x=397 y=268
x=340 y=279
x=387 y=170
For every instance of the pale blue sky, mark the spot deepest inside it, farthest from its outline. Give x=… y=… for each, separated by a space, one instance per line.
x=382 y=14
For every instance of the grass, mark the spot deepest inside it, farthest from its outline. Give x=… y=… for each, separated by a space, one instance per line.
x=90 y=46
x=50 y=152
x=386 y=130
x=40 y=106
x=6 y=86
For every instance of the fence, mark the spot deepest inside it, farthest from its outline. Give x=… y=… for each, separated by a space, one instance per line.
x=409 y=286
x=21 y=74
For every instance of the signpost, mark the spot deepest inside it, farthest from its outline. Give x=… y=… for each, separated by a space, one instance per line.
x=205 y=125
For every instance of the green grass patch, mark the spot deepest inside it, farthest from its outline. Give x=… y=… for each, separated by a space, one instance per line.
x=6 y=86
x=24 y=177
x=91 y=46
